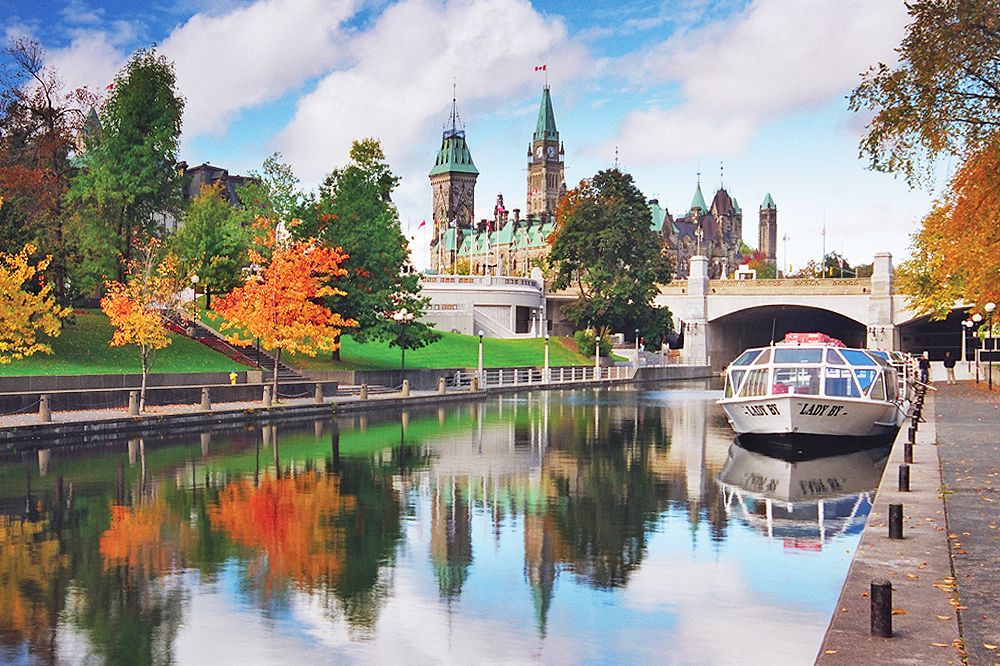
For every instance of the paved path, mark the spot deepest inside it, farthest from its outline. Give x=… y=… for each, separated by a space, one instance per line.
x=968 y=427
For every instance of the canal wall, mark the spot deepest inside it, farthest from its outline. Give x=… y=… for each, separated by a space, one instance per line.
x=85 y=426
x=925 y=622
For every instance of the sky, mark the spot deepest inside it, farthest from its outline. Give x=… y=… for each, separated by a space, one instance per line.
x=750 y=94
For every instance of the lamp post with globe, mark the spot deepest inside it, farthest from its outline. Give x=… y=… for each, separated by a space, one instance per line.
x=402 y=319
x=977 y=319
x=990 y=307
x=966 y=330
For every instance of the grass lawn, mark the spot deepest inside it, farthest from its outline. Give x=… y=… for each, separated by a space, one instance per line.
x=451 y=351
x=82 y=349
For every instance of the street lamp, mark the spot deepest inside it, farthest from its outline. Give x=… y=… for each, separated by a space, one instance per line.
x=546 y=375
x=482 y=379
x=597 y=356
x=966 y=329
x=976 y=320
x=990 y=307
x=402 y=318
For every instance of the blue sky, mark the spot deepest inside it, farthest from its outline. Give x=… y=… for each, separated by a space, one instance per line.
x=748 y=93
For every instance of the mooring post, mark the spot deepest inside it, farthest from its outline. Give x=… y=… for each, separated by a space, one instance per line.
x=406 y=388
x=318 y=394
x=133 y=403
x=908 y=453
x=363 y=393
x=895 y=521
x=267 y=396
x=880 y=594
x=44 y=410
x=904 y=478
x=911 y=435
x=206 y=402
x=440 y=385
x=474 y=385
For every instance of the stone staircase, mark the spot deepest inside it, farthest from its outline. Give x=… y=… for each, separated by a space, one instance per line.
x=245 y=354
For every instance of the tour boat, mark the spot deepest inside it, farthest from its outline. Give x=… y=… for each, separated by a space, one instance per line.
x=810 y=391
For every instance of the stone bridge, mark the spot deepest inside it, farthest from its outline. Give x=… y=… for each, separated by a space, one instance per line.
x=721 y=318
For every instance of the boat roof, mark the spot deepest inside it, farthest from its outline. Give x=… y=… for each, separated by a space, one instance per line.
x=810 y=353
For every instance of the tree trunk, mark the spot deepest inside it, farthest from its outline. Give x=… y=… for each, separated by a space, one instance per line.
x=208 y=299
x=402 y=359
x=274 y=376
x=335 y=355
x=144 y=354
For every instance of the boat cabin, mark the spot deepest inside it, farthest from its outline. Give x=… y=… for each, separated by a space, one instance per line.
x=819 y=369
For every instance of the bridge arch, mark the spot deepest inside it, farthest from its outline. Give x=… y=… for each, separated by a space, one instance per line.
x=753 y=326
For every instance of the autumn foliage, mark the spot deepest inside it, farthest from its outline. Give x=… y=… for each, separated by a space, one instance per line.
x=282 y=303
x=291 y=523
x=28 y=308
x=957 y=250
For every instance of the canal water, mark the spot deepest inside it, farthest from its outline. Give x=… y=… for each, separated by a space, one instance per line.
x=586 y=526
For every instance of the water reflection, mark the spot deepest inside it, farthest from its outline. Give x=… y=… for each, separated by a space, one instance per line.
x=521 y=522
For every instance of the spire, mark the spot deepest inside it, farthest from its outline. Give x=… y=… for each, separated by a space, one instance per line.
x=546 y=126
x=768 y=203
x=454 y=154
x=698 y=201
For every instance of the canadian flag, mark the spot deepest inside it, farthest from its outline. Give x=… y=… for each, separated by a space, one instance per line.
x=422 y=224
x=110 y=87
x=541 y=68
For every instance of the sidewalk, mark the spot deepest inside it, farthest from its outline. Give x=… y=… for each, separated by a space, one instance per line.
x=968 y=428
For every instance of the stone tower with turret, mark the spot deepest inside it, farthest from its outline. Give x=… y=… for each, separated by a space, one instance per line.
x=453 y=183
x=767 y=229
x=546 y=179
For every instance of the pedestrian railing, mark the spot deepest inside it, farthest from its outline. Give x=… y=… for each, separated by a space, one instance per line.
x=495 y=377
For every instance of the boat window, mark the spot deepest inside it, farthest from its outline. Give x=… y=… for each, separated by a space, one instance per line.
x=764 y=358
x=804 y=381
x=878 y=391
x=833 y=358
x=879 y=354
x=755 y=383
x=747 y=357
x=890 y=386
x=797 y=355
x=857 y=357
x=733 y=382
x=840 y=382
x=865 y=378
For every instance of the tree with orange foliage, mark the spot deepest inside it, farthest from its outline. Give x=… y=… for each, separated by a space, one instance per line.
x=138 y=307
x=282 y=302
x=26 y=313
x=956 y=252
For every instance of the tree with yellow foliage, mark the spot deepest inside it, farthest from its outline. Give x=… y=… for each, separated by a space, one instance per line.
x=138 y=307
x=26 y=313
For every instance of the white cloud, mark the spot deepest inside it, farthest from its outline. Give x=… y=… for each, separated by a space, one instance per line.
x=251 y=55
x=773 y=59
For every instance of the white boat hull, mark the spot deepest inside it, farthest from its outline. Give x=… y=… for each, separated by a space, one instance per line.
x=795 y=414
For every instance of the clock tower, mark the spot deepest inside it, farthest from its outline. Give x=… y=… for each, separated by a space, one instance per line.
x=546 y=181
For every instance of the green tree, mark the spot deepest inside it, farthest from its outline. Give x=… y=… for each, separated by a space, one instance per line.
x=354 y=211
x=129 y=180
x=272 y=194
x=943 y=96
x=604 y=247
x=212 y=243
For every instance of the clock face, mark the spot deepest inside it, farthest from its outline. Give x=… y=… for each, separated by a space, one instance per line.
x=538 y=151
x=551 y=151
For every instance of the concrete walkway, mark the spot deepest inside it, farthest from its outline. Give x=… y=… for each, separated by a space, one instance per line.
x=968 y=435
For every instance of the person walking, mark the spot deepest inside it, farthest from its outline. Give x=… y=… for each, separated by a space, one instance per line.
x=924 y=365
x=949 y=365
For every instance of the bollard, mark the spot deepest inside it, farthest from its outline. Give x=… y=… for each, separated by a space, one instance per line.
x=895 y=521
x=880 y=594
x=406 y=388
x=474 y=385
x=133 y=403
x=440 y=385
x=363 y=392
x=318 y=395
x=908 y=453
x=266 y=398
x=44 y=411
x=911 y=434
x=904 y=478
x=206 y=403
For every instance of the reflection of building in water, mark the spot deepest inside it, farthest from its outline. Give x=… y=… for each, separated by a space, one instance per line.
x=806 y=503
x=451 y=539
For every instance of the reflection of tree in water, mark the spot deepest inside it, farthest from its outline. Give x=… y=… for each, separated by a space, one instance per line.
x=606 y=493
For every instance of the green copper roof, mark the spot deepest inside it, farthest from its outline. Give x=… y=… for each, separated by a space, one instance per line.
x=657 y=215
x=699 y=200
x=736 y=206
x=546 y=127
x=454 y=155
x=768 y=203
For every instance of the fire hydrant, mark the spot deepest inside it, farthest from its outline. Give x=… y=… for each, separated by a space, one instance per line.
x=232 y=377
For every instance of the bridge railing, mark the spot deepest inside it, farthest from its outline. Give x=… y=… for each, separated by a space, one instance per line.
x=828 y=286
